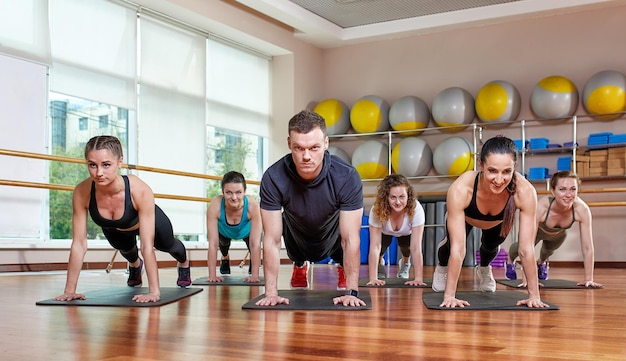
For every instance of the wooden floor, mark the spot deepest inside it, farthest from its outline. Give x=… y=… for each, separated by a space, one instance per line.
x=591 y=324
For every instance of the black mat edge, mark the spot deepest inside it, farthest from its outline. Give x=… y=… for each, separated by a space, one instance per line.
x=552 y=284
x=506 y=301
x=124 y=297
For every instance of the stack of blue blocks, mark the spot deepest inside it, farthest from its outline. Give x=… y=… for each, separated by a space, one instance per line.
x=538 y=173
x=599 y=138
x=563 y=163
x=617 y=138
x=539 y=143
x=518 y=144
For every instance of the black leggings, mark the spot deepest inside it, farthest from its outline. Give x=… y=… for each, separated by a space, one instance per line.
x=404 y=242
x=164 y=240
x=225 y=244
x=489 y=245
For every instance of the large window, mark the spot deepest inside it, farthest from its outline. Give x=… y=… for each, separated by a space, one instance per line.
x=175 y=96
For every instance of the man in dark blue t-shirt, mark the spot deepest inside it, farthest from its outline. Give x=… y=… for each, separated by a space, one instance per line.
x=321 y=199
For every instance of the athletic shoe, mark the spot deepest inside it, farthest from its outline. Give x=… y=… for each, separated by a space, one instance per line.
x=542 y=271
x=439 y=278
x=485 y=276
x=403 y=269
x=134 y=275
x=225 y=267
x=299 y=276
x=381 y=272
x=510 y=274
x=184 y=277
x=341 y=279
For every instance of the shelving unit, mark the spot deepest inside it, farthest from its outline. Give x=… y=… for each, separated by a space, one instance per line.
x=477 y=132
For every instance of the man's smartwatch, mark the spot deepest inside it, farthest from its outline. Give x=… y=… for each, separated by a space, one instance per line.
x=354 y=293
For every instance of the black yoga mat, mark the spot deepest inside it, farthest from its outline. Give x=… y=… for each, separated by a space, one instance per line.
x=394 y=283
x=551 y=283
x=499 y=300
x=123 y=297
x=228 y=281
x=311 y=300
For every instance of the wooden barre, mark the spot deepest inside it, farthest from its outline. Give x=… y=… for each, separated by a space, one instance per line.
x=127 y=166
x=62 y=187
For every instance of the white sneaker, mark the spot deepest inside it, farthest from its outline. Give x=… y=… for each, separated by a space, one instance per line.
x=403 y=269
x=439 y=278
x=485 y=276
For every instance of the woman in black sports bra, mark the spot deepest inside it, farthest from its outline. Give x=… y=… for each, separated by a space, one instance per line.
x=120 y=204
x=555 y=215
x=488 y=199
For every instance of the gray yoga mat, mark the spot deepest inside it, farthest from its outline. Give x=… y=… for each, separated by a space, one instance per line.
x=311 y=300
x=394 y=283
x=122 y=297
x=499 y=300
x=550 y=283
x=228 y=281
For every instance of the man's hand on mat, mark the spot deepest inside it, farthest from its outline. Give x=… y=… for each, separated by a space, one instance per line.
x=415 y=283
x=376 y=282
x=452 y=302
x=70 y=296
x=590 y=284
x=251 y=279
x=348 y=301
x=532 y=303
x=215 y=279
x=145 y=298
x=272 y=300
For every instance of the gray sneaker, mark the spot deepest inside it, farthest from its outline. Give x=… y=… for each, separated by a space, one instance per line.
x=439 y=278
x=403 y=269
x=485 y=276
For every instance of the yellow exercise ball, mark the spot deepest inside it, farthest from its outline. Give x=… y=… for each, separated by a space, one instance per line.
x=408 y=113
x=453 y=107
x=498 y=102
x=605 y=92
x=412 y=157
x=554 y=97
x=371 y=159
x=336 y=114
x=370 y=114
x=453 y=156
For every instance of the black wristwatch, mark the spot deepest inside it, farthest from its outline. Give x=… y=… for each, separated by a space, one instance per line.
x=354 y=293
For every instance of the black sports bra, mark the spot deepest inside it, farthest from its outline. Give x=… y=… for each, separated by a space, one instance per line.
x=472 y=209
x=130 y=217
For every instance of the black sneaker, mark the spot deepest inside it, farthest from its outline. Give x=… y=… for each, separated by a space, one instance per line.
x=250 y=269
x=184 y=277
x=225 y=267
x=134 y=275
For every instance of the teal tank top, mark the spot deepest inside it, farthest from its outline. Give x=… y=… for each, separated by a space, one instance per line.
x=234 y=231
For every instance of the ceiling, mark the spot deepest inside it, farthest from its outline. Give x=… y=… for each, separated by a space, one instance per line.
x=332 y=23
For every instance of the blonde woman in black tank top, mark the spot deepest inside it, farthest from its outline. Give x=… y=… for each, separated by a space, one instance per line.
x=555 y=215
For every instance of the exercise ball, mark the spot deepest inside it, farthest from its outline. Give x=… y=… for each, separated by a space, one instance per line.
x=339 y=153
x=336 y=114
x=605 y=92
x=409 y=113
x=412 y=157
x=554 y=97
x=370 y=114
x=453 y=156
x=371 y=159
x=453 y=107
x=498 y=102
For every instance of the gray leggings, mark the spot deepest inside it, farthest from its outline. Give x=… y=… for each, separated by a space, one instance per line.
x=551 y=242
